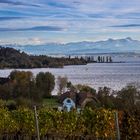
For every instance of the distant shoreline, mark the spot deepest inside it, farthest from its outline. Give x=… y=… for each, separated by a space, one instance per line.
x=60 y=67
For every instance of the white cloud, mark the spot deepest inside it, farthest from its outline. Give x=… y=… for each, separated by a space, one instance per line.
x=79 y=18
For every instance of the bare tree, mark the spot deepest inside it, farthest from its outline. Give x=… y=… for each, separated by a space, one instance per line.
x=62 y=84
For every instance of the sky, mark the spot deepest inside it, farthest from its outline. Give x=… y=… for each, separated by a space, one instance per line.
x=63 y=21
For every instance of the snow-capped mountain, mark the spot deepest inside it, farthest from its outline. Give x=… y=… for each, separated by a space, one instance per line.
x=107 y=46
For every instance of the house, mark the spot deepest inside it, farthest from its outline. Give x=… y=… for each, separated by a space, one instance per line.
x=68 y=104
x=73 y=100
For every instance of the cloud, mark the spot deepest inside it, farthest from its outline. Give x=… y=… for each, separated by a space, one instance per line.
x=83 y=19
x=33 y=41
x=129 y=15
x=98 y=15
x=45 y=28
x=58 y=5
x=126 y=25
x=9 y=18
x=17 y=3
x=36 y=28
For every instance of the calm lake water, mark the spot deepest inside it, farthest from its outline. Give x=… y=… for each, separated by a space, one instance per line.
x=114 y=75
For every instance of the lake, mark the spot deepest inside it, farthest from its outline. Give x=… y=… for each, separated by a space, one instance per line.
x=113 y=75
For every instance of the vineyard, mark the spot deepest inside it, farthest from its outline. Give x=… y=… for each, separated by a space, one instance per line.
x=98 y=123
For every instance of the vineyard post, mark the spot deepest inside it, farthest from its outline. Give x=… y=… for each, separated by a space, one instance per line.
x=117 y=126
x=36 y=123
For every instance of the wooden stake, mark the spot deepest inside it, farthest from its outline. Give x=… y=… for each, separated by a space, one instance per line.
x=36 y=123
x=117 y=126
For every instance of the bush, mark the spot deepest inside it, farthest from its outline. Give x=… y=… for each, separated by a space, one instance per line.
x=2 y=103
x=11 y=104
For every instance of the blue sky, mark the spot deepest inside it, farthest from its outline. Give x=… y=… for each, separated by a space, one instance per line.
x=42 y=21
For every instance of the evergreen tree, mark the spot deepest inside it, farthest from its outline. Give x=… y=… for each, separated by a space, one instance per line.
x=110 y=59
x=107 y=60
x=99 y=59
x=103 y=59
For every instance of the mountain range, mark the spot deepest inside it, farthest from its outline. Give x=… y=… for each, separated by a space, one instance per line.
x=85 y=47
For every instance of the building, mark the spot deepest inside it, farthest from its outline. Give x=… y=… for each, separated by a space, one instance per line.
x=72 y=100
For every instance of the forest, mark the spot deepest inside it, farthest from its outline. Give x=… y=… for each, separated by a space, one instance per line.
x=12 y=58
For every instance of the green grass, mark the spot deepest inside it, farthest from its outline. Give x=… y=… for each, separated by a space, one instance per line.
x=50 y=102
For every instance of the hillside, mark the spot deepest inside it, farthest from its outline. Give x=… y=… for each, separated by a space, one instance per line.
x=12 y=58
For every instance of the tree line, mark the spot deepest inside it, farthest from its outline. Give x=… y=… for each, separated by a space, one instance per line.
x=24 y=88
x=104 y=59
x=12 y=58
x=97 y=59
x=23 y=85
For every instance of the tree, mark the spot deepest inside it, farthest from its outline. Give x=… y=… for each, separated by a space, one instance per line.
x=45 y=82
x=69 y=57
x=128 y=96
x=22 y=86
x=99 y=59
x=20 y=82
x=5 y=91
x=62 y=84
x=103 y=59
x=85 y=88
x=105 y=97
x=107 y=59
x=89 y=59
x=110 y=59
